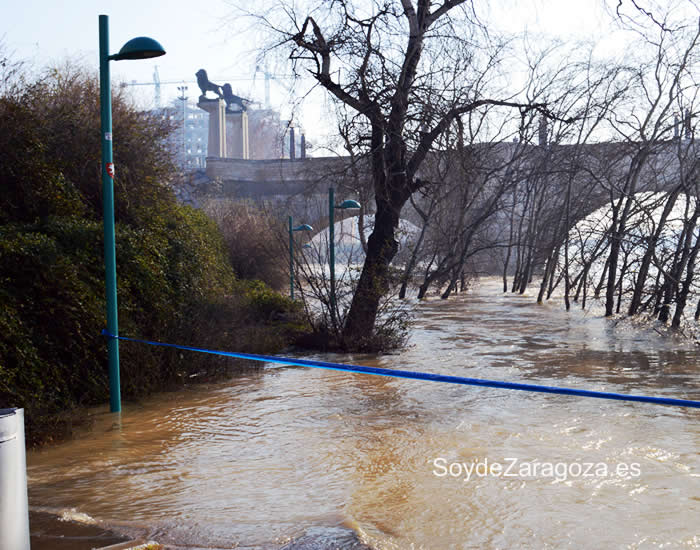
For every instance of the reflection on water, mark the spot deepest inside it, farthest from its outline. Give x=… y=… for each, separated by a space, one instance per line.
x=310 y=458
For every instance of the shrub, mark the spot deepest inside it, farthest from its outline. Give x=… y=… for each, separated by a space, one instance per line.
x=252 y=240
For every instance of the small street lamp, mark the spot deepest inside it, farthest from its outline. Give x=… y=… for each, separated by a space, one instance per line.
x=304 y=227
x=345 y=205
x=136 y=48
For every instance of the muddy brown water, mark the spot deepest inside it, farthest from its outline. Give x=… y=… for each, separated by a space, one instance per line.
x=309 y=458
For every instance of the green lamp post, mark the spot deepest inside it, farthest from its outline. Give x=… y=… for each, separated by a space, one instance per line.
x=137 y=48
x=345 y=205
x=304 y=227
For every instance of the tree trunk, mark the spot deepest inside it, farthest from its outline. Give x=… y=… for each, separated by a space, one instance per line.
x=615 y=243
x=547 y=276
x=620 y=288
x=649 y=253
x=451 y=286
x=373 y=284
x=601 y=281
x=510 y=243
x=408 y=272
x=680 y=261
x=619 y=226
x=423 y=289
x=617 y=231
x=685 y=289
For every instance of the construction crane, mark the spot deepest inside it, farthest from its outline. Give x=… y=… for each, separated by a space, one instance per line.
x=156 y=83
x=268 y=77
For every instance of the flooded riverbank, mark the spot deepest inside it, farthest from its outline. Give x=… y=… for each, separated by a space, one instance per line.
x=287 y=454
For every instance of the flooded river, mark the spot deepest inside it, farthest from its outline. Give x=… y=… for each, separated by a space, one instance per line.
x=314 y=458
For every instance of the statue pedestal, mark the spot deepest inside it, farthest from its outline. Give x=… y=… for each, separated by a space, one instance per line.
x=237 y=135
x=228 y=132
x=217 y=126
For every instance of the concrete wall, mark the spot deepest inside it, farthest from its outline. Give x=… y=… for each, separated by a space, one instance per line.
x=276 y=170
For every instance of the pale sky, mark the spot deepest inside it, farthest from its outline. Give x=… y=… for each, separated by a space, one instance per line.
x=207 y=35
x=194 y=35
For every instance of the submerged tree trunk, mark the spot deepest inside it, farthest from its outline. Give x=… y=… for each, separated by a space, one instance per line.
x=408 y=272
x=649 y=253
x=373 y=284
x=680 y=261
x=616 y=232
x=619 y=225
x=506 y=262
x=601 y=281
x=685 y=288
x=548 y=274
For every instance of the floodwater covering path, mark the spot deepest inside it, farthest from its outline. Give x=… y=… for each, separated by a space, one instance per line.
x=311 y=458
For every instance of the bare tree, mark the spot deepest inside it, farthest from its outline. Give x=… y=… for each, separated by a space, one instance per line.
x=409 y=70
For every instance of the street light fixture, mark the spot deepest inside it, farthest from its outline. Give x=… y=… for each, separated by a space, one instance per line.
x=345 y=205
x=136 y=48
x=304 y=227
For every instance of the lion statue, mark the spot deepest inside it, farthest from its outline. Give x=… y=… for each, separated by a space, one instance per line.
x=230 y=98
x=206 y=85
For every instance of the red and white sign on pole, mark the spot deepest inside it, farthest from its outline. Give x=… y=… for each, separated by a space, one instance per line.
x=110 y=169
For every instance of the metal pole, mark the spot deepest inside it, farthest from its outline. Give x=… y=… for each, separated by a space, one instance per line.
x=291 y=261
x=14 y=509
x=331 y=248
x=108 y=217
x=184 y=128
x=183 y=97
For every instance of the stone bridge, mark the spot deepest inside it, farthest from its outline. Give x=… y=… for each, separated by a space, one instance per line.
x=299 y=186
x=601 y=172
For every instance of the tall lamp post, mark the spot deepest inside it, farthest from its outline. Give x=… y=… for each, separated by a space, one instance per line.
x=136 y=48
x=304 y=227
x=345 y=205
x=182 y=89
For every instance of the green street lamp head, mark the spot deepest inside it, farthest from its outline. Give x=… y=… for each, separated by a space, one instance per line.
x=139 y=48
x=304 y=227
x=348 y=204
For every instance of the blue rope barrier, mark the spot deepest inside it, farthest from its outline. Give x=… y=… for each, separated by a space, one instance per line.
x=411 y=375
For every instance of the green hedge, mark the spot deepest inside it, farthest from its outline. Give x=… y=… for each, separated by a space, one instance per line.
x=175 y=285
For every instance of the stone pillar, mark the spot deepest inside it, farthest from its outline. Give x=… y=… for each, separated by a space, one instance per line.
x=237 y=135
x=292 y=151
x=217 y=126
x=542 y=131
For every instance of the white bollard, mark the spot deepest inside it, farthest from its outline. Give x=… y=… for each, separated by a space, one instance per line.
x=14 y=508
